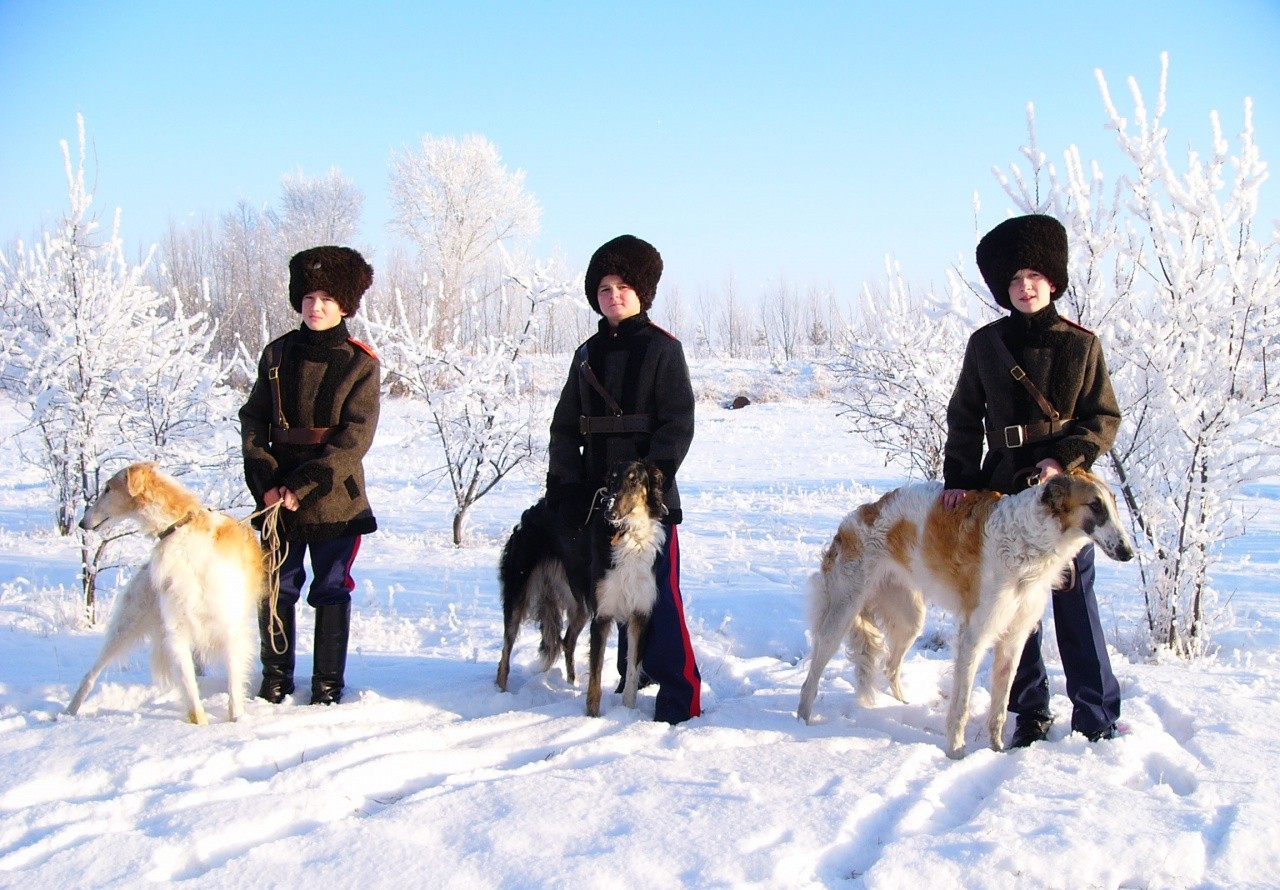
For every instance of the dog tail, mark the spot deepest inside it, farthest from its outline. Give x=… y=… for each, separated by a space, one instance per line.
x=866 y=649
x=818 y=594
x=827 y=585
x=549 y=589
x=837 y=586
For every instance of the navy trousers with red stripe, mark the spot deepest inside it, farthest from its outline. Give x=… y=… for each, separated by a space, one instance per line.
x=1091 y=686
x=331 y=582
x=668 y=658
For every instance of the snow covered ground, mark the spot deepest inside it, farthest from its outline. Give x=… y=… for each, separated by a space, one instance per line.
x=427 y=776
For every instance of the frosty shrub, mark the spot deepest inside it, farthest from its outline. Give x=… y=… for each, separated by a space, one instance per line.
x=104 y=369
x=478 y=400
x=1167 y=267
x=899 y=363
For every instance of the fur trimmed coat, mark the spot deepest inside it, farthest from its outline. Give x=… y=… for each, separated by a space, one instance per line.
x=326 y=380
x=1065 y=363
x=643 y=368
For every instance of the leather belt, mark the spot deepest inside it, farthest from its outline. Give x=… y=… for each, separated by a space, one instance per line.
x=1017 y=435
x=618 y=423
x=302 y=435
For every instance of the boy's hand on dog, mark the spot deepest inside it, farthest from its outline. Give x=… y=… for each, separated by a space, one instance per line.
x=280 y=493
x=1049 y=468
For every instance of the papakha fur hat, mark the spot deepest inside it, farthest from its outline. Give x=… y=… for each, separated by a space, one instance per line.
x=1036 y=242
x=340 y=272
x=635 y=261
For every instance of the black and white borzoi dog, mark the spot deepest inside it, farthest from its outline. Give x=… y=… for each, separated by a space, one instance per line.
x=991 y=561
x=198 y=592
x=564 y=576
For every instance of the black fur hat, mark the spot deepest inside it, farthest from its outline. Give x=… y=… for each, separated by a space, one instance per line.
x=338 y=271
x=636 y=262
x=1036 y=242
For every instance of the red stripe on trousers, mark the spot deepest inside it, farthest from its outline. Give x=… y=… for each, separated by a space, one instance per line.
x=690 y=675
x=350 y=583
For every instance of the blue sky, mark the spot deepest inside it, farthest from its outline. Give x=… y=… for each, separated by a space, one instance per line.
x=801 y=141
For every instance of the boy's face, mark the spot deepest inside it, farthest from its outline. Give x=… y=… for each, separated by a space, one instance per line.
x=1029 y=291
x=617 y=299
x=320 y=311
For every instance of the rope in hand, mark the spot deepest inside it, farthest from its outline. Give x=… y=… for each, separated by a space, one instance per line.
x=275 y=551
x=595 y=498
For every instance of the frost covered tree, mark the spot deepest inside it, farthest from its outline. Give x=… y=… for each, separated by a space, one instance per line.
x=104 y=369
x=781 y=317
x=251 y=268
x=461 y=207
x=477 y=394
x=899 y=364
x=1170 y=268
x=235 y=267
x=315 y=210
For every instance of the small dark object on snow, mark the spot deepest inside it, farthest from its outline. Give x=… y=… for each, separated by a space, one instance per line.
x=740 y=402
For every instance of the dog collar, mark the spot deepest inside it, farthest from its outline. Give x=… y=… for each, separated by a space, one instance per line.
x=177 y=525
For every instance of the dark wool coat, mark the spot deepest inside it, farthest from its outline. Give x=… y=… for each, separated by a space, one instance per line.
x=326 y=380
x=643 y=368
x=1065 y=363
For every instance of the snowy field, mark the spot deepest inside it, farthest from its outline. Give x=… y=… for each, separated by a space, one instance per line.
x=427 y=776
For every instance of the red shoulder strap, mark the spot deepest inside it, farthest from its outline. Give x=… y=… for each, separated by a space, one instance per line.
x=662 y=330
x=1077 y=326
x=363 y=348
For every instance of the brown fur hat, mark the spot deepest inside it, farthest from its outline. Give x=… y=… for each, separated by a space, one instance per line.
x=1036 y=242
x=340 y=272
x=635 y=261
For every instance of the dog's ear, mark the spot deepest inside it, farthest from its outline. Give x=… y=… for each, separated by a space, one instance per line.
x=1055 y=493
x=656 y=476
x=138 y=477
x=657 y=505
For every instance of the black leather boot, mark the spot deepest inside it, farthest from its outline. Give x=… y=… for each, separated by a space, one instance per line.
x=277 y=651
x=333 y=627
x=1031 y=728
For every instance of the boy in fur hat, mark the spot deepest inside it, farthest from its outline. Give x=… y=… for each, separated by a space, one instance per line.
x=1024 y=263
x=643 y=369
x=305 y=429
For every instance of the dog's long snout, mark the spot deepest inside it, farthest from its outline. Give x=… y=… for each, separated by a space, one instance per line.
x=1114 y=541
x=1122 y=550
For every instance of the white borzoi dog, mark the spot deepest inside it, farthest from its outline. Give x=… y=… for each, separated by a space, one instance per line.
x=563 y=575
x=991 y=561
x=198 y=593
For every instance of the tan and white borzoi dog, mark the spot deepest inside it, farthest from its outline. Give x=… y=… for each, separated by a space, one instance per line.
x=198 y=592
x=991 y=561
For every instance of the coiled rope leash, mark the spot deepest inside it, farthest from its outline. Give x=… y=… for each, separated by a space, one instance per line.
x=275 y=552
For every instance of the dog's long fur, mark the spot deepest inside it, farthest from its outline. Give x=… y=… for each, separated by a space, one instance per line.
x=602 y=573
x=197 y=594
x=991 y=561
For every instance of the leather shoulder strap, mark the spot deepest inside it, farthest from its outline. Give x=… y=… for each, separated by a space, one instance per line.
x=1020 y=375
x=584 y=368
x=276 y=359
